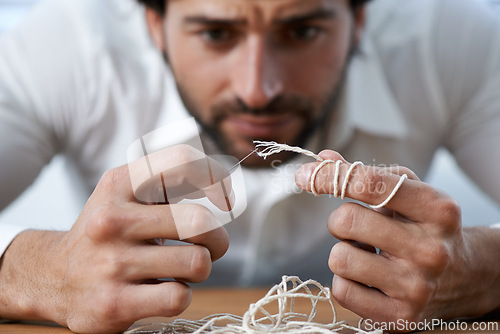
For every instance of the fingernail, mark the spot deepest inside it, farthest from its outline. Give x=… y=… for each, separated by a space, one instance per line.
x=303 y=176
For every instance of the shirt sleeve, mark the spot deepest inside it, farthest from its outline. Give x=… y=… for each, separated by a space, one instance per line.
x=467 y=48
x=38 y=85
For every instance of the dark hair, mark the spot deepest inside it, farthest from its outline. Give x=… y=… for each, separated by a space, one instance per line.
x=159 y=5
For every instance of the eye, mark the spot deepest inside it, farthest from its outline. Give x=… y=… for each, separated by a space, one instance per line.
x=303 y=33
x=217 y=35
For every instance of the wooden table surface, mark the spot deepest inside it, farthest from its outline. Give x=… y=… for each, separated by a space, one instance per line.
x=210 y=301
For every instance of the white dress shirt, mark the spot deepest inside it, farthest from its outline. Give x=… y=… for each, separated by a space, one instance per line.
x=82 y=78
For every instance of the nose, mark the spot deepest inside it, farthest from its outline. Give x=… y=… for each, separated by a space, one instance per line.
x=258 y=80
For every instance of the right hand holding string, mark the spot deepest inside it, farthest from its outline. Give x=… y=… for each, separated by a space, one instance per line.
x=102 y=275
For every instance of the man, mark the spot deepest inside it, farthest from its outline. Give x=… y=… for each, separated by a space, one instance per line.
x=76 y=79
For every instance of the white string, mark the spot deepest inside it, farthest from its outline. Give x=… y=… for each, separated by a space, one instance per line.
x=336 y=179
x=271 y=148
x=394 y=191
x=257 y=319
x=315 y=173
x=346 y=180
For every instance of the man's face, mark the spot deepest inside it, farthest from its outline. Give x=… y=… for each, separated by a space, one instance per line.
x=257 y=69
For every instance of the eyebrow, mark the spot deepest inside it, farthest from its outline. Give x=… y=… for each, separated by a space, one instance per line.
x=205 y=20
x=318 y=14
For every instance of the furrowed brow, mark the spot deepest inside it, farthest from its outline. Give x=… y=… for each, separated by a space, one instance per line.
x=205 y=20
x=319 y=14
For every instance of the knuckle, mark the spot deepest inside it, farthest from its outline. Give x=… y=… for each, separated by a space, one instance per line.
x=107 y=306
x=341 y=291
x=408 y=313
x=373 y=183
x=116 y=265
x=405 y=170
x=112 y=177
x=368 y=185
x=435 y=256
x=342 y=220
x=419 y=292
x=104 y=223
x=179 y=300
x=219 y=243
x=339 y=259
x=201 y=264
x=450 y=213
x=202 y=218
x=223 y=242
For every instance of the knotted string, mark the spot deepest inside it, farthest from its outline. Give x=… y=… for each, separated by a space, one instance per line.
x=258 y=320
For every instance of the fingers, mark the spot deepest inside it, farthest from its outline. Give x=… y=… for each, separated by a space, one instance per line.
x=216 y=241
x=354 y=222
x=365 y=267
x=189 y=263
x=221 y=193
x=360 y=287
x=410 y=241
x=166 y=299
x=371 y=185
x=174 y=173
x=138 y=223
x=151 y=166
x=399 y=170
x=196 y=179
x=168 y=221
x=331 y=155
x=193 y=223
x=113 y=308
x=365 y=301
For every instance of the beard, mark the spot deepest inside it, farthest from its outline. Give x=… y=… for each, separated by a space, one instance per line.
x=312 y=116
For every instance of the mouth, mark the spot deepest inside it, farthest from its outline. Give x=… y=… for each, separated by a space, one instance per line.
x=260 y=126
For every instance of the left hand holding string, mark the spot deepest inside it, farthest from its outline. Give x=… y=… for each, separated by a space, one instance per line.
x=428 y=265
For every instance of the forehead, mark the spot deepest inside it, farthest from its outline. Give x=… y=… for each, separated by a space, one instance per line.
x=262 y=10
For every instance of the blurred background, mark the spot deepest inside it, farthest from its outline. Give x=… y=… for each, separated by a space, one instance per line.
x=41 y=205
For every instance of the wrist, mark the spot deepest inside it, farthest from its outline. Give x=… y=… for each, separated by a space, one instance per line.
x=483 y=275
x=29 y=290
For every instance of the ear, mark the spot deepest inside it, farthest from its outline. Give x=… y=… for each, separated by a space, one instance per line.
x=155 y=26
x=359 y=23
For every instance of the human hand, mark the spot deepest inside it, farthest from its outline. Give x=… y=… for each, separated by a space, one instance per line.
x=428 y=266
x=102 y=275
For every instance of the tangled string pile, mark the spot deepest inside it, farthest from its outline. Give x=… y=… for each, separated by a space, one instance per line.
x=257 y=319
